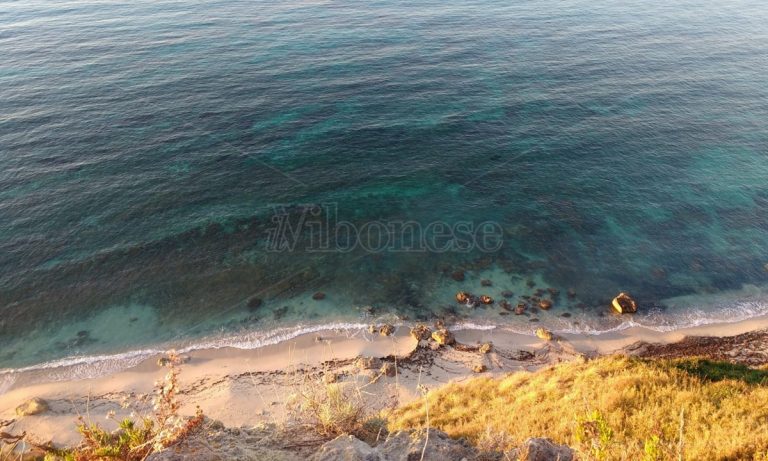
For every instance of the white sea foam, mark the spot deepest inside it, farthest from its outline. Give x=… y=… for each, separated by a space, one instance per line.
x=82 y=367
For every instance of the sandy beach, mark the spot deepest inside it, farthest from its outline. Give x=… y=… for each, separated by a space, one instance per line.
x=248 y=387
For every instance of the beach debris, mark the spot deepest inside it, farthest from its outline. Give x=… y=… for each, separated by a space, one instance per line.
x=485 y=348
x=388 y=369
x=458 y=276
x=31 y=407
x=545 y=304
x=443 y=337
x=367 y=363
x=463 y=297
x=318 y=296
x=254 y=302
x=420 y=332
x=624 y=304
x=507 y=294
x=479 y=368
x=543 y=333
x=386 y=329
x=486 y=283
x=485 y=299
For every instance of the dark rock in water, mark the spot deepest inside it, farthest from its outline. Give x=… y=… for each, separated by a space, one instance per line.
x=507 y=294
x=318 y=296
x=540 y=292
x=486 y=283
x=82 y=334
x=458 y=276
x=133 y=319
x=503 y=313
x=565 y=314
x=462 y=297
x=255 y=303
x=533 y=319
x=554 y=292
x=520 y=309
x=530 y=283
x=571 y=293
x=505 y=305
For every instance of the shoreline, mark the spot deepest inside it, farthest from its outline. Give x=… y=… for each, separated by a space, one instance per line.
x=247 y=386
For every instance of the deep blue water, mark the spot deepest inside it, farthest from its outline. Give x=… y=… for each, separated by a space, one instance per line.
x=145 y=146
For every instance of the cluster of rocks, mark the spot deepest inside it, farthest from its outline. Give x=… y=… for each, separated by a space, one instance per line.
x=217 y=442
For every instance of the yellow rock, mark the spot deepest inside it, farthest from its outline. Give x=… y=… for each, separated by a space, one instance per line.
x=543 y=333
x=32 y=407
x=443 y=337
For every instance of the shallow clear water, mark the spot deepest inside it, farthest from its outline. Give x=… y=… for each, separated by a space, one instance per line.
x=619 y=146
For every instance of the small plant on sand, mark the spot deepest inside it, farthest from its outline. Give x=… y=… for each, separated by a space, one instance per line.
x=135 y=440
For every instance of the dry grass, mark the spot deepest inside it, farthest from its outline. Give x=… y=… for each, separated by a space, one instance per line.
x=613 y=408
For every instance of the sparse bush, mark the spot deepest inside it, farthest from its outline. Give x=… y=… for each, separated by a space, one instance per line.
x=134 y=441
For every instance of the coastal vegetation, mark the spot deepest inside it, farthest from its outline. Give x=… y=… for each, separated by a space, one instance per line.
x=603 y=409
x=611 y=408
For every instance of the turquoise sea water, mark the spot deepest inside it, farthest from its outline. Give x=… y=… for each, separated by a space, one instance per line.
x=145 y=146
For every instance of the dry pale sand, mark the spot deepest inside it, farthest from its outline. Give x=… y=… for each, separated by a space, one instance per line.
x=248 y=387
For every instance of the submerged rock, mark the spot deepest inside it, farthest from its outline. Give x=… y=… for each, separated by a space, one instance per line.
x=255 y=303
x=486 y=283
x=31 y=407
x=319 y=296
x=485 y=299
x=458 y=276
x=545 y=304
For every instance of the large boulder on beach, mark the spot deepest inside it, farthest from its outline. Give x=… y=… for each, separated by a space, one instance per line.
x=420 y=332
x=443 y=337
x=543 y=333
x=31 y=407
